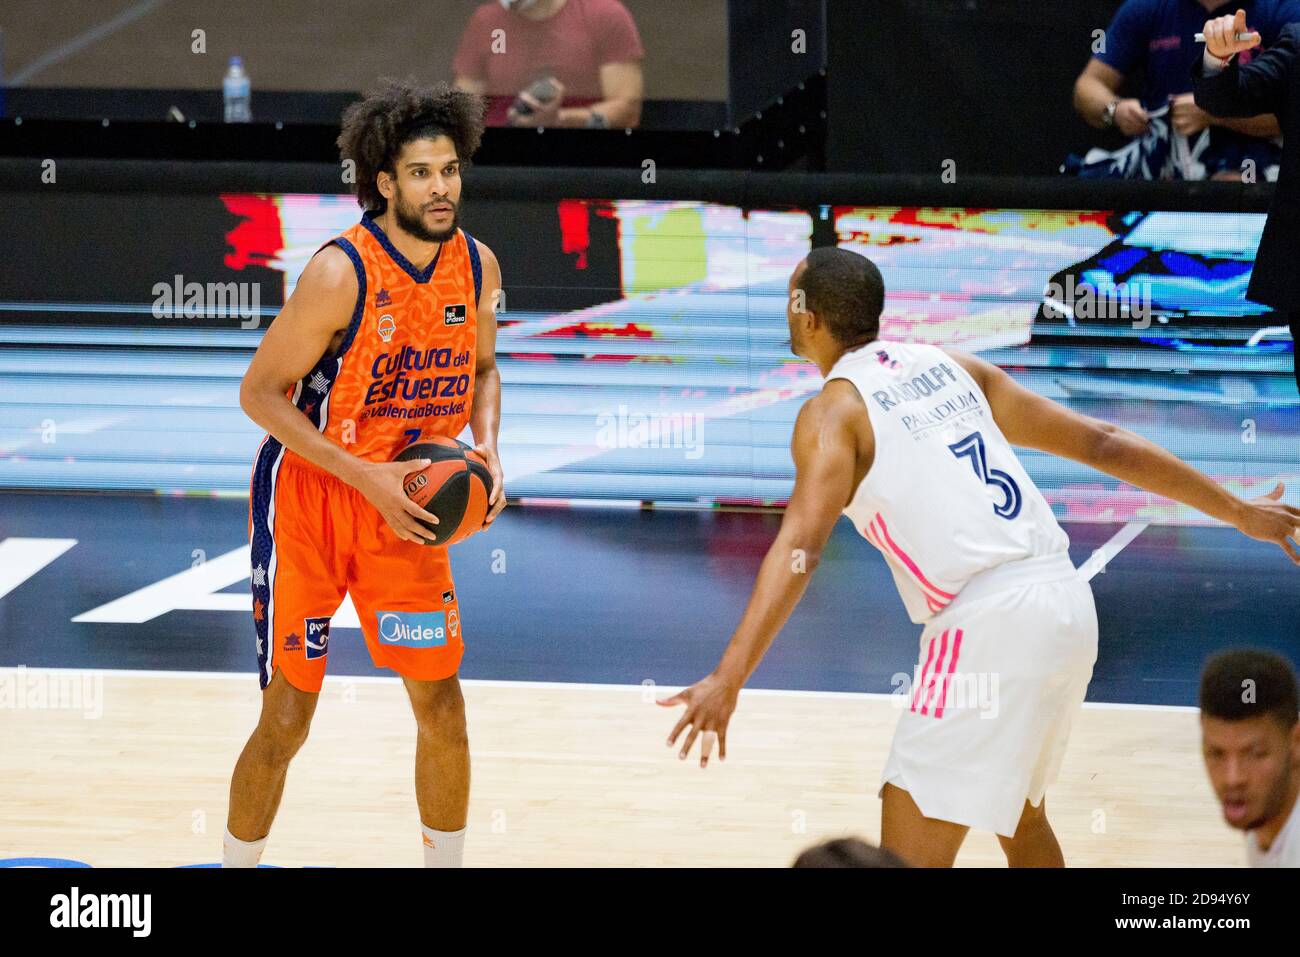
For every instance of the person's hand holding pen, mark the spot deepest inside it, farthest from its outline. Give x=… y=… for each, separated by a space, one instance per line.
x=1226 y=36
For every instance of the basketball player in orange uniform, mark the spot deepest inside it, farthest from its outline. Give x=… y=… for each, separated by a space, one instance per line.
x=389 y=338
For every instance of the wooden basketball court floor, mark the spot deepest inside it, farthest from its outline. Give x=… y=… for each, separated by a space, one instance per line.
x=563 y=775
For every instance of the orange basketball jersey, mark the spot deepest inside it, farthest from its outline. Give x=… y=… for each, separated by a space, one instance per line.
x=404 y=370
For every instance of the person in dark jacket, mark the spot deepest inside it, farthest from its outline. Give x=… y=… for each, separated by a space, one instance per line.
x=1270 y=83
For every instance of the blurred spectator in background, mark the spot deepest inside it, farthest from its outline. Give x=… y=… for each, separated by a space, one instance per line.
x=848 y=852
x=574 y=63
x=1172 y=137
x=1250 y=739
x=1226 y=85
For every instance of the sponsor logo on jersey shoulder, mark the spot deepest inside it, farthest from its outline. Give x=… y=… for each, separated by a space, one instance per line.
x=382 y=298
x=453 y=315
x=413 y=629
x=387 y=326
x=318 y=637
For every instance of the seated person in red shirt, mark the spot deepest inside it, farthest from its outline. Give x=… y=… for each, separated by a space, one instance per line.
x=589 y=49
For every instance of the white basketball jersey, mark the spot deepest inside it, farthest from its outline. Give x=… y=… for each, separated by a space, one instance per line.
x=1285 y=849
x=946 y=498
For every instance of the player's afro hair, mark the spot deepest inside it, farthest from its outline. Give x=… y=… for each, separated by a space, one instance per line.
x=377 y=127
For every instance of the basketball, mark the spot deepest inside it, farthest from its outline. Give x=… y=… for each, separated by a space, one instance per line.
x=455 y=486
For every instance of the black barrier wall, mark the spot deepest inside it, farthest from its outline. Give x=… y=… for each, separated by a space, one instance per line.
x=986 y=84
x=738 y=187
x=134 y=294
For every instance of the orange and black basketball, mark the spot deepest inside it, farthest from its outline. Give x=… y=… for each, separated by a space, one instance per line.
x=455 y=486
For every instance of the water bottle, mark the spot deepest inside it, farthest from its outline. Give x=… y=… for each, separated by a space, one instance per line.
x=237 y=92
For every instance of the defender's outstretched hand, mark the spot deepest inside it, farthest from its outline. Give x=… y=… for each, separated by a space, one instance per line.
x=709 y=704
x=1269 y=520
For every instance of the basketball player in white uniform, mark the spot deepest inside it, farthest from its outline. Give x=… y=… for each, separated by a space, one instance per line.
x=1251 y=746
x=913 y=443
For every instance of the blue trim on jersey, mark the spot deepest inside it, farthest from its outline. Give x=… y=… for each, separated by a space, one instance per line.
x=310 y=385
x=320 y=380
x=359 y=309
x=475 y=266
x=368 y=221
x=262 y=547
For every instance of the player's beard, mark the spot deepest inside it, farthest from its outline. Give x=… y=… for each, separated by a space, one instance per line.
x=1272 y=803
x=411 y=219
x=1276 y=800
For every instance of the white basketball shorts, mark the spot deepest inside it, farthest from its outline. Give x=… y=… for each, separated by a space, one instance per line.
x=1001 y=674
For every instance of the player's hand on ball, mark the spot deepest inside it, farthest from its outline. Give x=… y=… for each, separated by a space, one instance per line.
x=383 y=484
x=1269 y=520
x=497 y=501
x=709 y=705
x=1221 y=35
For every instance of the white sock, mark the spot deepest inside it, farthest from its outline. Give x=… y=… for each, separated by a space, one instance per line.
x=237 y=853
x=443 y=848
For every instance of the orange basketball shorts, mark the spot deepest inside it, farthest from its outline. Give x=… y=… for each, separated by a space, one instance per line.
x=315 y=538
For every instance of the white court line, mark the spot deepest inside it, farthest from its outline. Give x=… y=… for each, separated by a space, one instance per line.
x=21 y=558
x=251 y=675
x=83 y=40
x=1103 y=556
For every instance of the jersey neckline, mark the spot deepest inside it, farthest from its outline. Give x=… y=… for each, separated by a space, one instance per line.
x=1283 y=837
x=854 y=354
x=420 y=276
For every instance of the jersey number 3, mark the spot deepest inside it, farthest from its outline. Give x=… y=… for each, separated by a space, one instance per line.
x=972 y=447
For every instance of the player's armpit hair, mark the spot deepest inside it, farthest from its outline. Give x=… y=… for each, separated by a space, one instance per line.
x=375 y=128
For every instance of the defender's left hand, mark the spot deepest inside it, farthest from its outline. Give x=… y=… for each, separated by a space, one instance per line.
x=1268 y=519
